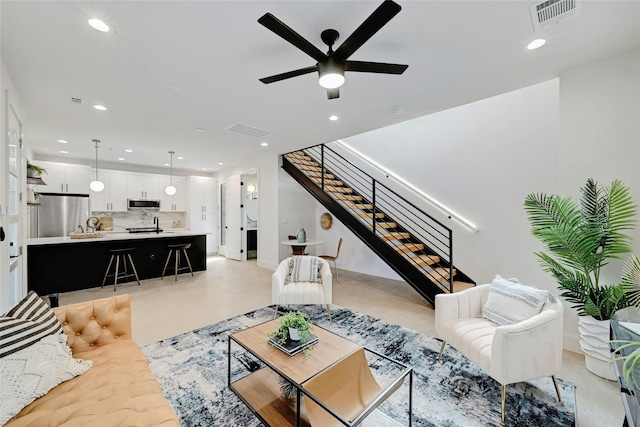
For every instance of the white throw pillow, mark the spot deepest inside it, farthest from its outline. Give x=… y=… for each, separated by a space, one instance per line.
x=30 y=373
x=304 y=269
x=510 y=302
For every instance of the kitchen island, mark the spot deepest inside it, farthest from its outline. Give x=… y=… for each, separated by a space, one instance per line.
x=63 y=264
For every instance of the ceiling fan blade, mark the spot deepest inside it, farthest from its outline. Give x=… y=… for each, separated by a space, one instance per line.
x=374 y=67
x=289 y=74
x=383 y=14
x=333 y=93
x=281 y=29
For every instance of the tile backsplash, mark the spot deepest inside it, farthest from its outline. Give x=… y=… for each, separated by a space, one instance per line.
x=144 y=218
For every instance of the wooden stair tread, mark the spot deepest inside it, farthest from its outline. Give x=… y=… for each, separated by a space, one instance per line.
x=408 y=247
x=365 y=215
x=338 y=189
x=340 y=196
x=457 y=286
x=361 y=206
x=424 y=260
x=331 y=182
x=383 y=225
x=438 y=275
x=394 y=235
x=318 y=174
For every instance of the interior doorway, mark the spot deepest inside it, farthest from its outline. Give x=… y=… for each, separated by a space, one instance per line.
x=251 y=210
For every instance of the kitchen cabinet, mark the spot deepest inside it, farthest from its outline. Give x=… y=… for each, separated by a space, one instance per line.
x=65 y=178
x=203 y=210
x=112 y=198
x=179 y=201
x=143 y=186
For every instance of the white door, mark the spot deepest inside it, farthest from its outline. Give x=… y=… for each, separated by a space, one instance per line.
x=233 y=218
x=11 y=285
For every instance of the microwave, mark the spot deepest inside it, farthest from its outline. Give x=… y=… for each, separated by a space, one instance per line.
x=143 y=204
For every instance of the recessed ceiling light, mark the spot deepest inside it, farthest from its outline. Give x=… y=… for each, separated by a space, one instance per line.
x=264 y=144
x=64 y=152
x=120 y=158
x=204 y=169
x=220 y=163
x=128 y=151
x=166 y=164
x=99 y=25
x=333 y=118
x=199 y=130
x=536 y=44
x=180 y=158
x=62 y=141
x=100 y=107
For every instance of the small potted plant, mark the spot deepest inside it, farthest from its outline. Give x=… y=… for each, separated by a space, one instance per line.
x=294 y=325
x=34 y=171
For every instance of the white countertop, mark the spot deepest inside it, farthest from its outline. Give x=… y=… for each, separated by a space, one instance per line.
x=114 y=235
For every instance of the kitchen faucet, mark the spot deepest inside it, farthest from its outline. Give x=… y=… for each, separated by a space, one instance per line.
x=156 y=221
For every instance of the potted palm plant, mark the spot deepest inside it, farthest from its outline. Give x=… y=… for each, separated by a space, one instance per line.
x=581 y=238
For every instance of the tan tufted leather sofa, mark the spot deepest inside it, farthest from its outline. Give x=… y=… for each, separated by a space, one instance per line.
x=119 y=390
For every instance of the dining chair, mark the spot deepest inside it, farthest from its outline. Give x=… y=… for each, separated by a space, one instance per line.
x=333 y=258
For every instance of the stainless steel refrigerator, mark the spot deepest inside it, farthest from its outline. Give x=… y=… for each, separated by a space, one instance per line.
x=59 y=214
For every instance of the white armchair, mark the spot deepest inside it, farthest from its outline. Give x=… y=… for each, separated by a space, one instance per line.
x=531 y=348
x=285 y=292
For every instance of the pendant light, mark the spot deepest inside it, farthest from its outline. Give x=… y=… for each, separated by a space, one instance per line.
x=170 y=189
x=96 y=185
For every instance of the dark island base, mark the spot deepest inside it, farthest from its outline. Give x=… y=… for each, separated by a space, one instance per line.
x=69 y=267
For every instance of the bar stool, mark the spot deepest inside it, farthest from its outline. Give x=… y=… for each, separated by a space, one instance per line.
x=175 y=249
x=120 y=254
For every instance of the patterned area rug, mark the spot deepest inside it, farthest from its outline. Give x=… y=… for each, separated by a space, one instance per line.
x=192 y=371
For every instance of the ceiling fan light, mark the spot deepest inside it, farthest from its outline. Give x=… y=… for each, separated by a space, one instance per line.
x=331 y=79
x=96 y=186
x=170 y=190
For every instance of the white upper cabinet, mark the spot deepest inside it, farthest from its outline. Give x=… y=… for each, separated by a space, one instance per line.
x=143 y=186
x=65 y=178
x=177 y=202
x=112 y=198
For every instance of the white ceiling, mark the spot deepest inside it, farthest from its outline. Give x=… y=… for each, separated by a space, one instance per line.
x=173 y=66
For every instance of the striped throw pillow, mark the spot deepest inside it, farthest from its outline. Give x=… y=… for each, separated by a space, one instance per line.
x=25 y=324
x=304 y=269
x=510 y=302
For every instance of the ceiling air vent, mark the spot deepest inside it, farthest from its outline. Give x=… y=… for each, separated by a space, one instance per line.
x=550 y=12
x=76 y=100
x=248 y=130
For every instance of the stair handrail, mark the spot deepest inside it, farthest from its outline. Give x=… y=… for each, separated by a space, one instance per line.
x=319 y=149
x=419 y=193
x=324 y=146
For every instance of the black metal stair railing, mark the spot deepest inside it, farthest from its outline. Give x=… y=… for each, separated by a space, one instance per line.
x=416 y=245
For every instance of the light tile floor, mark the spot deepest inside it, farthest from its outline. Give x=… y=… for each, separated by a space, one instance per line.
x=164 y=308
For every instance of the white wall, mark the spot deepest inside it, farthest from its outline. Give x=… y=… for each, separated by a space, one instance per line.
x=482 y=159
x=268 y=222
x=600 y=138
x=296 y=209
x=354 y=254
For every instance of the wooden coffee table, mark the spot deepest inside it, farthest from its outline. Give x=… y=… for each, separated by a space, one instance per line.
x=327 y=382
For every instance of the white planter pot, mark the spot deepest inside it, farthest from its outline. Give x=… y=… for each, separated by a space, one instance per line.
x=594 y=337
x=294 y=334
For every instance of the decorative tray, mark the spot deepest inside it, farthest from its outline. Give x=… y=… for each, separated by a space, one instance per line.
x=90 y=235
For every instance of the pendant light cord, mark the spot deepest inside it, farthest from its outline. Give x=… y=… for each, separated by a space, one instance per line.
x=171 y=169
x=96 y=141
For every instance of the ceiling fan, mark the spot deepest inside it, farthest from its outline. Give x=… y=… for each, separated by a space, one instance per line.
x=332 y=65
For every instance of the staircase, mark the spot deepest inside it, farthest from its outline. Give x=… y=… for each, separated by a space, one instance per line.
x=415 y=245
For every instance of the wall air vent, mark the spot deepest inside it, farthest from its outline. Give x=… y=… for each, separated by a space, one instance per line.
x=76 y=100
x=550 y=12
x=248 y=130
